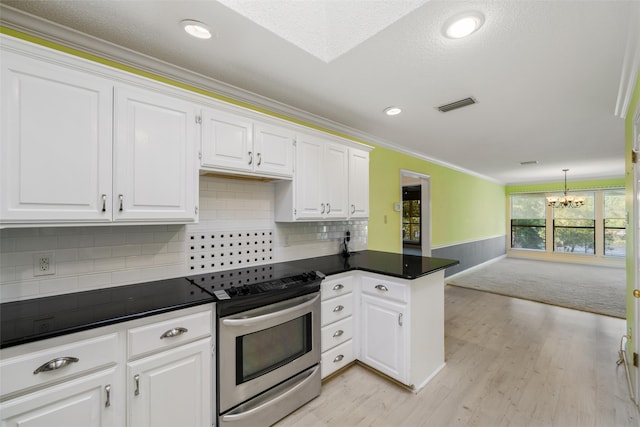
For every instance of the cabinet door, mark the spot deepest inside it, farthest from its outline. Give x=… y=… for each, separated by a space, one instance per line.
x=358 y=183
x=172 y=388
x=155 y=163
x=309 y=179
x=55 y=143
x=227 y=141
x=384 y=336
x=273 y=150
x=336 y=180
x=88 y=401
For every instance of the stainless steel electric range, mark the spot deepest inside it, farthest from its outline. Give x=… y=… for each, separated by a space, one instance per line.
x=268 y=342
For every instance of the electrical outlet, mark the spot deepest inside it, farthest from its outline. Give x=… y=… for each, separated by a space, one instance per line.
x=44 y=264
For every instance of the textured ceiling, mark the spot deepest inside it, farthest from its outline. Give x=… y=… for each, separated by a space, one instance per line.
x=546 y=74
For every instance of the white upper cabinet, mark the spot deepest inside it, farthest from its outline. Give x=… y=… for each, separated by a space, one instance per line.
x=154 y=157
x=227 y=141
x=273 y=147
x=358 y=183
x=55 y=142
x=322 y=187
x=72 y=152
x=235 y=144
x=320 y=180
x=335 y=176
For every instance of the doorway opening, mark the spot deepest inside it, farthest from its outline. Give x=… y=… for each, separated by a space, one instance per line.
x=415 y=207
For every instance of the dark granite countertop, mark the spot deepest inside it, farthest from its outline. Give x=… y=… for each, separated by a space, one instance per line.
x=41 y=318
x=387 y=263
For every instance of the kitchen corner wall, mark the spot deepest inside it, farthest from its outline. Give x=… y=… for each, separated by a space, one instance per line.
x=93 y=257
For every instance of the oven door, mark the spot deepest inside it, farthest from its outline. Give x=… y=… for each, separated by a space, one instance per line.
x=261 y=348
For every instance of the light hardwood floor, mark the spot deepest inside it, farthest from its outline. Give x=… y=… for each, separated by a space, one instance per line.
x=510 y=362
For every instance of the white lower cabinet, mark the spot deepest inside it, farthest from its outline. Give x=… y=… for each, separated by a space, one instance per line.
x=154 y=371
x=395 y=326
x=337 y=323
x=171 y=388
x=82 y=402
x=384 y=336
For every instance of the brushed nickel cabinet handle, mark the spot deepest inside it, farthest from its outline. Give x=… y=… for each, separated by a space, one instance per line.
x=382 y=288
x=56 y=364
x=338 y=333
x=104 y=203
x=121 y=198
x=174 y=332
x=107 y=389
x=328 y=207
x=322 y=205
x=259 y=159
x=400 y=319
x=338 y=358
x=250 y=157
x=353 y=209
x=136 y=381
x=338 y=287
x=338 y=308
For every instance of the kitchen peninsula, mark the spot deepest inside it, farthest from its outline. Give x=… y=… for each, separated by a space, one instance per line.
x=384 y=309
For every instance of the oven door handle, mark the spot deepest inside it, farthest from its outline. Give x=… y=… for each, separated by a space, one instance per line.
x=249 y=321
x=230 y=417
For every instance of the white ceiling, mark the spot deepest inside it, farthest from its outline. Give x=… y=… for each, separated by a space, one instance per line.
x=546 y=74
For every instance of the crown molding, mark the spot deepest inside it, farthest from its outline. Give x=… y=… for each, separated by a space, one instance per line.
x=631 y=62
x=54 y=33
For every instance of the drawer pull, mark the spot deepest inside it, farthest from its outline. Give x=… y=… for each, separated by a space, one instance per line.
x=382 y=288
x=400 y=319
x=338 y=287
x=338 y=358
x=55 y=364
x=338 y=333
x=136 y=381
x=174 y=332
x=338 y=308
x=107 y=388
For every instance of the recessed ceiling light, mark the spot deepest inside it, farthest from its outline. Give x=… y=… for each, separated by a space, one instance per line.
x=196 y=28
x=463 y=25
x=392 y=111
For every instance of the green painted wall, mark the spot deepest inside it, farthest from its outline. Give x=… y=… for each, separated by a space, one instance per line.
x=559 y=186
x=631 y=233
x=463 y=207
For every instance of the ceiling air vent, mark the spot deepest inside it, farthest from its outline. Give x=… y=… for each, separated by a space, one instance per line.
x=457 y=104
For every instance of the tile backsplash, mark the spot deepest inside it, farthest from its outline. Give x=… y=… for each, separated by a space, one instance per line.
x=91 y=257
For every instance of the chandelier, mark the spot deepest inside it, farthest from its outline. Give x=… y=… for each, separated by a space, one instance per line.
x=565 y=201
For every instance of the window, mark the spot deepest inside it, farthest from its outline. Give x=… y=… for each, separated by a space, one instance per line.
x=574 y=229
x=528 y=229
x=598 y=228
x=615 y=232
x=411 y=214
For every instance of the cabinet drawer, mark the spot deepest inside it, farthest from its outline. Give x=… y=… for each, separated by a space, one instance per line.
x=167 y=334
x=336 y=287
x=336 y=309
x=336 y=358
x=336 y=333
x=57 y=363
x=385 y=289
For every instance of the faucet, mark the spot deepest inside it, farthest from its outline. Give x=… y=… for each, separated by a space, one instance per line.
x=345 y=244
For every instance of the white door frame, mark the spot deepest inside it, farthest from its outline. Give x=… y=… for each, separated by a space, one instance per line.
x=635 y=370
x=425 y=204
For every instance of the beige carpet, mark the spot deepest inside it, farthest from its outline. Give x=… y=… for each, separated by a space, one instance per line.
x=583 y=287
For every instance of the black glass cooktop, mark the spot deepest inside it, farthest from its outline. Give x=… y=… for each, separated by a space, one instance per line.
x=246 y=288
